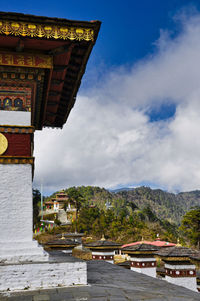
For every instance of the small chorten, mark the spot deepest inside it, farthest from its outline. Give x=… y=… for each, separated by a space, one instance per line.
x=103 y=249
x=178 y=268
x=62 y=244
x=142 y=259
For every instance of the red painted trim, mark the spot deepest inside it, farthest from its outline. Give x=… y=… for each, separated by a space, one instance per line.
x=180 y=273
x=143 y=264
x=102 y=257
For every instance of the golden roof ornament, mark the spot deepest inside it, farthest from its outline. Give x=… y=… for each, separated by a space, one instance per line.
x=103 y=238
x=178 y=243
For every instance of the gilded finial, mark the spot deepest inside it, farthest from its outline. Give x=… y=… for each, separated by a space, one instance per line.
x=103 y=237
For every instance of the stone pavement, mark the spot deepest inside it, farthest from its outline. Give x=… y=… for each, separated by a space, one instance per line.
x=109 y=282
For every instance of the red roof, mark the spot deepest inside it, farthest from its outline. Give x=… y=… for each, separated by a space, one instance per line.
x=158 y=243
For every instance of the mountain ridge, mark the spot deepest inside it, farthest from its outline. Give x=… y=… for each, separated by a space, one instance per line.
x=166 y=205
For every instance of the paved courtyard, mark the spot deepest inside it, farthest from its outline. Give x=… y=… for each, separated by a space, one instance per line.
x=109 y=282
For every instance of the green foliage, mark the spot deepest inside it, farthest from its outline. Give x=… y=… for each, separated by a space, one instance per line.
x=122 y=226
x=165 y=205
x=190 y=226
x=75 y=196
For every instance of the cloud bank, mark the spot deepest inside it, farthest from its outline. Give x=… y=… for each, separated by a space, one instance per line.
x=110 y=139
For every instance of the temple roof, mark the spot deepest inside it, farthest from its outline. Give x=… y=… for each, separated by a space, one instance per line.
x=176 y=252
x=158 y=243
x=64 y=46
x=196 y=256
x=103 y=244
x=72 y=235
x=62 y=243
x=139 y=248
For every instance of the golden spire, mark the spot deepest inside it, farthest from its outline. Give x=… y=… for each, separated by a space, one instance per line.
x=103 y=237
x=178 y=243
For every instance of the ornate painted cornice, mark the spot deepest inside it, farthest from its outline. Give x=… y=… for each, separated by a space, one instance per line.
x=48 y=31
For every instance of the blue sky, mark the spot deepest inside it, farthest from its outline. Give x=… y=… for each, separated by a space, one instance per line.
x=129 y=28
x=136 y=118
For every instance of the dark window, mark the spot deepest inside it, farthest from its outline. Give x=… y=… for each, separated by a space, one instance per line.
x=18 y=103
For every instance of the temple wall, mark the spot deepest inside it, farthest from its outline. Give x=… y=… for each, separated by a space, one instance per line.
x=187 y=282
x=103 y=253
x=42 y=275
x=16 y=236
x=15 y=118
x=16 y=202
x=105 y=256
x=147 y=271
x=180 y=267
x=140 y=259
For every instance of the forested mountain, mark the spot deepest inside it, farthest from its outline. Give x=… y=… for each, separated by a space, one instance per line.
x=165 y=205
x=132 y=214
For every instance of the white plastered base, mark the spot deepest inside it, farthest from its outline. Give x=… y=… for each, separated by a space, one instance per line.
x=32 y=276
x=22 y=252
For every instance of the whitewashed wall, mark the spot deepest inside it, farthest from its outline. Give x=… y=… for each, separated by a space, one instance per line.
x=15 y=118
x=16 y=216
x=111 y=253
x=151 y=271
x=187 y=282
x=42 y=275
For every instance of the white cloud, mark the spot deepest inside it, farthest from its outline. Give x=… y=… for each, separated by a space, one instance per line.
x=109 y=140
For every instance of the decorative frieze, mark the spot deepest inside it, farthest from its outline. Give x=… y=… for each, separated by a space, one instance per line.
x=26 y=60
x=143 y=264
x=48 y=31
x=102 y=257
x=15 y=98
x=180 y=272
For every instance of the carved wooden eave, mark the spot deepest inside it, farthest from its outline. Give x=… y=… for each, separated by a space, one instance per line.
x=54 y=55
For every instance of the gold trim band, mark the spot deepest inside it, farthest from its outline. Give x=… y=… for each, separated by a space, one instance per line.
x=17 y=129
x=16 y=160
x=45 y=31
